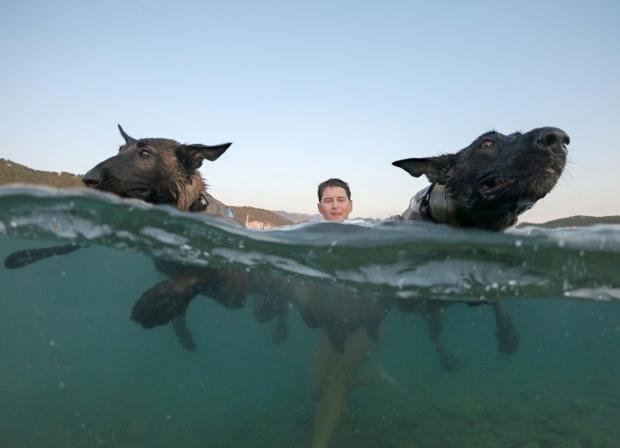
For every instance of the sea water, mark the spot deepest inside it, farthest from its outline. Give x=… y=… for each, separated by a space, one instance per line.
x=76 y=371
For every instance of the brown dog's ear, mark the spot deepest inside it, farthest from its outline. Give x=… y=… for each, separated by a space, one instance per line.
x=128 y=138
x=192 y=156
x=435 y=168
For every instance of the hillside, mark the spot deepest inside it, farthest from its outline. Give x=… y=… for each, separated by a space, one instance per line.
x=11 y=172
x=299 y=217
x=258 y=218
x=577 y=221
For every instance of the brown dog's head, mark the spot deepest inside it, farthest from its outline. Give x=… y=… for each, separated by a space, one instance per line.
x=156 y=170
x=496 y=178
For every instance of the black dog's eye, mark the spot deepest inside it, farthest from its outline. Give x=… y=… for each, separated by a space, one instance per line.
x=144 y=154
x=487 y=144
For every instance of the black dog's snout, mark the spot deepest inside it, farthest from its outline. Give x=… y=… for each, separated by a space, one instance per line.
x=549 y=137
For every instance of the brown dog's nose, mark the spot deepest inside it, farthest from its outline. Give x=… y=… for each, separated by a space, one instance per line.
x=548 y=137
x=92 y=179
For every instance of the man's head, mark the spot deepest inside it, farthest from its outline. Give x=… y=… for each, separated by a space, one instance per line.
x=334 y=200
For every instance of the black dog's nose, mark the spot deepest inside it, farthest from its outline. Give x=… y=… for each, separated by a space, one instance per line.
x=92 y=179
x=548 y=137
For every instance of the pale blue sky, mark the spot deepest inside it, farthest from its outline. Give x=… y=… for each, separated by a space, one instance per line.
x=311 y=90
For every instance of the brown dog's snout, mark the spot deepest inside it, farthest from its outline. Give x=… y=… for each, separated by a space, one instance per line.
x=549 y=137
x=92 y=179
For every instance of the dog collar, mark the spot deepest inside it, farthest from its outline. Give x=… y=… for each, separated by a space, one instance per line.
x=425 y=204
x=200 y=204
x=437 y=206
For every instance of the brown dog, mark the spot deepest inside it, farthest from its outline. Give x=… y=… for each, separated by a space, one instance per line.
x=164 y=171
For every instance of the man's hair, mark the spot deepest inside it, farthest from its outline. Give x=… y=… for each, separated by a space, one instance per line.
x=333 y=182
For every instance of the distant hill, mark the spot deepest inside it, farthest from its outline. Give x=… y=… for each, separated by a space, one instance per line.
x=258 y=218
x=11 y=172
x=576 y=221
x=299 y=217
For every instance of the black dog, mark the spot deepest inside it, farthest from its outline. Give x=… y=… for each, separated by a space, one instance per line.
x=486 y=185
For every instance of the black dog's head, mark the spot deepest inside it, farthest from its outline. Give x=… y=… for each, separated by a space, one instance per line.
x=156 y=170
x=498 y=176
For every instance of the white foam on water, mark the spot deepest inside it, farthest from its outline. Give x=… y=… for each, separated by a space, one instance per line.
x=164 y=236
x=602 y=293
x=446 y=277
x=63 y=225
x=255 y=258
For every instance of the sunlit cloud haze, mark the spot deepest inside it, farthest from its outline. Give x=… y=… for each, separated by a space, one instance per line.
x=311 y=90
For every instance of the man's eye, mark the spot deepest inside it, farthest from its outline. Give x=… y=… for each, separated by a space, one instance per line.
x=487 y=144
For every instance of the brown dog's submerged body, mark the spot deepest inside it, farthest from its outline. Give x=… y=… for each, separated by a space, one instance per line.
x=164 y=171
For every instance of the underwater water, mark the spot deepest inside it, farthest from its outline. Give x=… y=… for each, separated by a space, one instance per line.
x=76 y=371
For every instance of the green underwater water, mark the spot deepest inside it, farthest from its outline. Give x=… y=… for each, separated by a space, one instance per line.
x=77 y=372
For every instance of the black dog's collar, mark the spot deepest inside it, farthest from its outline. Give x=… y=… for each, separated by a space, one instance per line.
x=425 y=205
x=200 y=204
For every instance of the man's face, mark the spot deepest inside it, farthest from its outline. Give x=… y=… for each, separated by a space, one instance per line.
x=335 y=205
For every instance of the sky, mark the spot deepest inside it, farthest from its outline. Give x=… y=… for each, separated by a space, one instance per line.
x=316 y=89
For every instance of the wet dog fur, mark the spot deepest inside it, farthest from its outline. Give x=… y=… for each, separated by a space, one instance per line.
x=485 y=185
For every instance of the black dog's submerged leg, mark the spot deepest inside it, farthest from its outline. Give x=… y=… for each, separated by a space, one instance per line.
x=23 y=258
x=434 y=322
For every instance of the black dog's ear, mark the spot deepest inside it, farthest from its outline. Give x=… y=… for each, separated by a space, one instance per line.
x=128 y=138
x=436 y=169
x=192 y=156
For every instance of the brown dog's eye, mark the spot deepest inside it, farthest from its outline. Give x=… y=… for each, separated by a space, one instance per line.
x=487 y=144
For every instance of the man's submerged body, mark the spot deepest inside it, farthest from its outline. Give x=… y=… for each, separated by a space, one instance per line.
x=334 y=373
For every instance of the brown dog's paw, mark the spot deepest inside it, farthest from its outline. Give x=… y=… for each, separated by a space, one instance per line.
x=183 y=333
x=159 y=305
